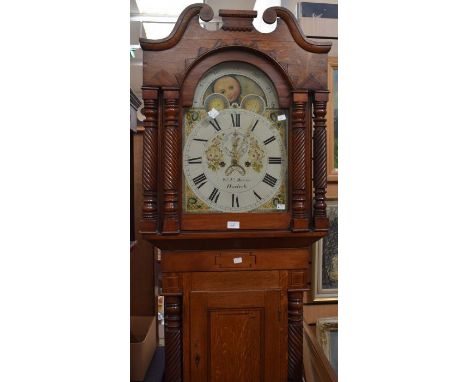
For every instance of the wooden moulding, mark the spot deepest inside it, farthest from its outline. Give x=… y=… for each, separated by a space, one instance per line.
x=149 y=221
x=237 y=240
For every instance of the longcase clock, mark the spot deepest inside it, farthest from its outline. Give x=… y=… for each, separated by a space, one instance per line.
x=234 y=178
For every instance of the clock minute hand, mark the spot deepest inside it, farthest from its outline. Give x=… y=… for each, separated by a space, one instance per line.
x=234 y=152
x=249 y=129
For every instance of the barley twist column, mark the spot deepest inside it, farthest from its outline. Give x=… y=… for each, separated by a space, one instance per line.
x=173 y=338
x=295 y=336
x=149 y=221
x=320 y=160
x=300 y=219
x=171 y=162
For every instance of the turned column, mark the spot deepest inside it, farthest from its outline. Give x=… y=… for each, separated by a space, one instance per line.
x=173 y=338
x=320 y=160
x=300 y=219
x=149 y=221
x=295 y=336
x=171 y=162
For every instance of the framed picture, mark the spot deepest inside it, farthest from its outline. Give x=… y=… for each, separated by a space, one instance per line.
x=327 y=336
x=325 y=262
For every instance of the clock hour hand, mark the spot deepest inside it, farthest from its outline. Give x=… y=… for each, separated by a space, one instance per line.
x=235 y=154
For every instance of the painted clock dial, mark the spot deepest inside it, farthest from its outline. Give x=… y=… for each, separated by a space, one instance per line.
x=235 y=144
x=235 y=162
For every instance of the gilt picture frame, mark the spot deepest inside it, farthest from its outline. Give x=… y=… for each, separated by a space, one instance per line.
x=325 y=262
x=327 y=336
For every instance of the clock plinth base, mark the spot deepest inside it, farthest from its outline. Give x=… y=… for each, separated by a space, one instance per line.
x=299 y=225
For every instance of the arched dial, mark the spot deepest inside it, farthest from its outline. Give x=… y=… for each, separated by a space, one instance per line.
x=235 y=162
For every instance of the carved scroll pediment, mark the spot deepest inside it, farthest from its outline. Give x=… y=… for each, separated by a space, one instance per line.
x=234 y=21
x=205 y=13
x=271 y=14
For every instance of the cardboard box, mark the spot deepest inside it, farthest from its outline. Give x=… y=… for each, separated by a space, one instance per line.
x=142 y=345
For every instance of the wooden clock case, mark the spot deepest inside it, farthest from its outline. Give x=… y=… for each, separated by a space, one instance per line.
x=233 y=298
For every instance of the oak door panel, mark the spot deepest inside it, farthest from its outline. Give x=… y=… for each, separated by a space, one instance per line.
x=235 y=345
x=235 y=336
